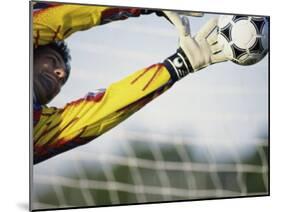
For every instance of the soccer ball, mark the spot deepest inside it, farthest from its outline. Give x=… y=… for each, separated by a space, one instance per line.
x=245 y=38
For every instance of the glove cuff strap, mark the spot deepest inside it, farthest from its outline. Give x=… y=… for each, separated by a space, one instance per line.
x=178 y=65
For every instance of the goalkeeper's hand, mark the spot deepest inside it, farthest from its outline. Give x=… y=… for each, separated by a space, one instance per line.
x=195 y=52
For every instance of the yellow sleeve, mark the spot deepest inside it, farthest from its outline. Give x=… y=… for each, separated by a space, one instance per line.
x=58 y=21
x=58 y=130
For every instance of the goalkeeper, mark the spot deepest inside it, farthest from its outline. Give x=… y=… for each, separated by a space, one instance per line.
x=57 y=130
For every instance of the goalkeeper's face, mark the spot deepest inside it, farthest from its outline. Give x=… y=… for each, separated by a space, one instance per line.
x=49 y=74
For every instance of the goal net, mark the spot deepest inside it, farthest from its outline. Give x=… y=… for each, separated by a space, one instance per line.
x=151 y=167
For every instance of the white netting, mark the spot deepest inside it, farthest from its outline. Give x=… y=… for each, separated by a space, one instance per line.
x=150 y=167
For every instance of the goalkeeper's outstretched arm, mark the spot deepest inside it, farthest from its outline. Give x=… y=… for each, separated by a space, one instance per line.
x=56 y=21
x=59 y=130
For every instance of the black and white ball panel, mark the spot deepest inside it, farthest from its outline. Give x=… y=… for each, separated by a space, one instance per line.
x=245 y=38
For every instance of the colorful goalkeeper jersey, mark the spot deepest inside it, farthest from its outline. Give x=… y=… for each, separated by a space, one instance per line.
x=56 y=21
x=60 y=129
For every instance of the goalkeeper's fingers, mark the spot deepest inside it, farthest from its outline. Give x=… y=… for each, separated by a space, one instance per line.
x=181 y=23
x=218 y=47
x=212 y=38
x=207 y=30
x=219 y=57
x=194 y=14
x=186 y=26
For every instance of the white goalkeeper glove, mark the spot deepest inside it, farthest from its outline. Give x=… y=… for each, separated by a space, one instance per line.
x=195 y=52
